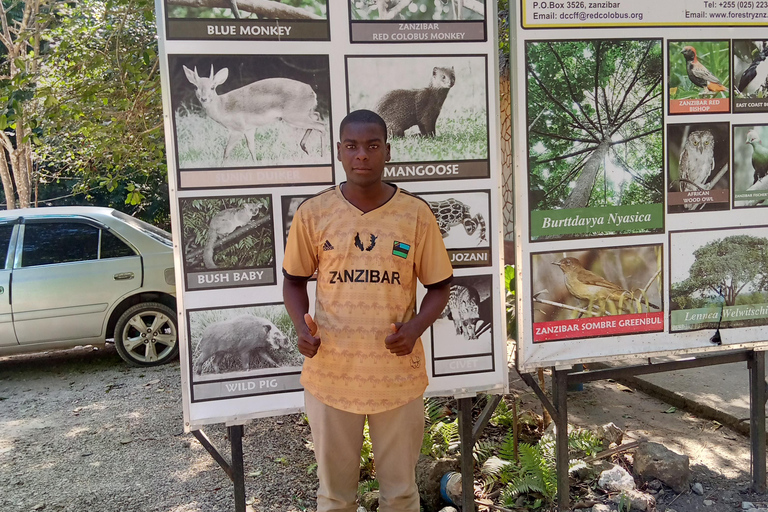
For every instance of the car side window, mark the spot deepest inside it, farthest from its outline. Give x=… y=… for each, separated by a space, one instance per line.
x=6 y=230
x=113 y=247
x=59 y=242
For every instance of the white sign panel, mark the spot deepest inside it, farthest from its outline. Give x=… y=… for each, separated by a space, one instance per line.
x=253 y=95
x=643 y=149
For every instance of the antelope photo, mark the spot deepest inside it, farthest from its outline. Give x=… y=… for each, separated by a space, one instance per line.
x=257 y=104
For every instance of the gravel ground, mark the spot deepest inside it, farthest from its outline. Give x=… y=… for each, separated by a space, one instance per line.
x=81 y=431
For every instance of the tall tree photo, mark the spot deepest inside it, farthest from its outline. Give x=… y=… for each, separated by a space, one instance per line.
x=594 y=123
x=733 y=269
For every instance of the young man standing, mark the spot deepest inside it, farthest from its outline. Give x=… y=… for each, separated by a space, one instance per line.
x=369 y=242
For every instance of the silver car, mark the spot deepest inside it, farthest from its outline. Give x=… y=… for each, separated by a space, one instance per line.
x=80 y=275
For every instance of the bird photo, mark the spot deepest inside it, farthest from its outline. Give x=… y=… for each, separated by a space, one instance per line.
x=759 y=156
x=750 y=165
x=586 y=285
x=699 y=70
x=750 y=68
x=698 y=162
x=596 y=282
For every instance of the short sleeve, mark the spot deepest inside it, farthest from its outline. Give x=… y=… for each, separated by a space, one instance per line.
x=432 y=262
x=300 y=260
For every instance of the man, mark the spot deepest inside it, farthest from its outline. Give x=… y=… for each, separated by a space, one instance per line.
x=369 y=241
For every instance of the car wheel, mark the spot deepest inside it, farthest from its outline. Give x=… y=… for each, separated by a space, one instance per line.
x=146 y=334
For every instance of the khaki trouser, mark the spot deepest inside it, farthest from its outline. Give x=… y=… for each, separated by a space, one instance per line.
x=396 y=436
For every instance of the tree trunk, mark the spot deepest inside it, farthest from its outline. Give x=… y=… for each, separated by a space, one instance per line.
x=586 y=180
x=21 y=175
x=5 y=174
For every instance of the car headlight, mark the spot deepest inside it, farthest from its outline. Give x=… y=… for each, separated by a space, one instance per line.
x=170 y=276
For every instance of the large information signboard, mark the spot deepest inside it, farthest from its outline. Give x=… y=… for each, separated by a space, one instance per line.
x=642 y=144
x=253 y=93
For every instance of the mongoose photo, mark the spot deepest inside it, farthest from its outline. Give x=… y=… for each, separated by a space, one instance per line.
x=403 y=108
x=224 y=223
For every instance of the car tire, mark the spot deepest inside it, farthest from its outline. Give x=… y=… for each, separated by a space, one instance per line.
x=154 y=344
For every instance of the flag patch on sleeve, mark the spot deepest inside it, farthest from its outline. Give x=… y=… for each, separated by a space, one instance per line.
x=401 y=249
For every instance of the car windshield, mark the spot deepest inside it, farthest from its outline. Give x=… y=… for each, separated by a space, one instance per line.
x=146 y=228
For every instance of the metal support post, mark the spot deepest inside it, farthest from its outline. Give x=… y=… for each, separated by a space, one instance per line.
x=234 y=469
x=757 y=419
x=467 y=459
x=238 y=472
x=560 y=397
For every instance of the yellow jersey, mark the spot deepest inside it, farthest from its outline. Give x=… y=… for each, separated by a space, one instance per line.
x=367 y=267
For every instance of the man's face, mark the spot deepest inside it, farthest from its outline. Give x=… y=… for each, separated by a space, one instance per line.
x=363 y=151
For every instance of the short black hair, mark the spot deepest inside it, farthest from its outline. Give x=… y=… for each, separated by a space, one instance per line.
x=365 y=117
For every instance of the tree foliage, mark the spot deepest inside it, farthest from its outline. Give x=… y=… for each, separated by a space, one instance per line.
x=725 y=268
x=101 y=104
x=22 y=29
x=81 y=106
x=594 y=106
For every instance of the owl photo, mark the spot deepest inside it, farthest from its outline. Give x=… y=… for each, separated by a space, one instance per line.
x=698 y=163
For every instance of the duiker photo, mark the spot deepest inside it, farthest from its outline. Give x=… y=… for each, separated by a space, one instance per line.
x=234 y=111
x=435 y=107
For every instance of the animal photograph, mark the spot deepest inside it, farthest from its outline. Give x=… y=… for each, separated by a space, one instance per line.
x=238 y=341
x=750 y=68
x=289 y=206
x=587 y=283
x=719 y=278
x=417 y=10
x=699 y=69
x=750 y=165
x=463 y=218
x=262 y=10
x=594 y=122
x=435 y=107
x=465 y=326
x=227 y=232
x=698 y=161
x=234 y=111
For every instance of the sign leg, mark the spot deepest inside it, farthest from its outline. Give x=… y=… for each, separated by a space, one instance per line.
x=559 y=391
x=757 y=419
x=467 y=460
x=238 y=472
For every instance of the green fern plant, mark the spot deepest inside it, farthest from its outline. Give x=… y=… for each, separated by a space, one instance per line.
x=483 y=450
x=503 y=416
x=367 y=486
x=366 y=454
x=584 y=442
x=535 y=473
x=440 y=438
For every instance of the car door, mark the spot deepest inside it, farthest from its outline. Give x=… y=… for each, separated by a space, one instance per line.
x=7 y=334
x=63 y=287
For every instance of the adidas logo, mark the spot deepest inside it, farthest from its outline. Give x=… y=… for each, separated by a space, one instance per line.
x=327 y=246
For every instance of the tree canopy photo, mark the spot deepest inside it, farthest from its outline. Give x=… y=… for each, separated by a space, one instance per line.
x=733 y=270
x=594 y=123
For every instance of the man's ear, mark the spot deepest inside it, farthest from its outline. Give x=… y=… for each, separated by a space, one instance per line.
x=338 y=151
x=389 y=154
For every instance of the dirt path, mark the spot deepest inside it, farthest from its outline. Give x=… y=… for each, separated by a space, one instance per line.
x=80 y=431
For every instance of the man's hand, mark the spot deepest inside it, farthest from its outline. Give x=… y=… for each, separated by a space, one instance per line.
x=308 y=343
x=402 y=339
